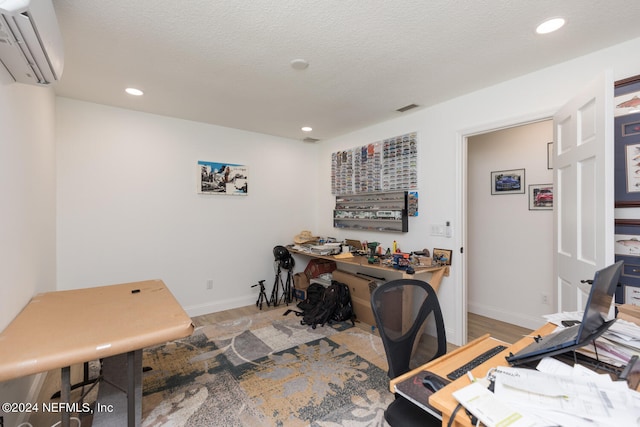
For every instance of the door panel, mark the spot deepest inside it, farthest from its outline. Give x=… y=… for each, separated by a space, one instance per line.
x=583 y=177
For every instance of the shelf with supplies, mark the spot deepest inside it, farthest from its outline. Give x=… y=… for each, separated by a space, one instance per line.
x=372 y=211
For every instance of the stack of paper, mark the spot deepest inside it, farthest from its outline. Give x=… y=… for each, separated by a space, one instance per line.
x=615 y=347
x=571 y=396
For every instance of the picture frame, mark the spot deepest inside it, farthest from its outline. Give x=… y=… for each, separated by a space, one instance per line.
x=627 y=238
x=540 y=197
x=442 y=256
x=627 y=249
x=627 y=142
x=222 y=178
x=549 y=155
x=511 y=181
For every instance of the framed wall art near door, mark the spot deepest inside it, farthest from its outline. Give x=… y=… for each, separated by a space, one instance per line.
x=507 y=182
x=540 y=197
x=627 y=249
x=627 y=142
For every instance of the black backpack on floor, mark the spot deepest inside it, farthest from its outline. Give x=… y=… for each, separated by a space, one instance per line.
x=315 y=293
x=334 y=307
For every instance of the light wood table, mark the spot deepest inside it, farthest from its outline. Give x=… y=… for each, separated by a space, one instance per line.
x=63 y=328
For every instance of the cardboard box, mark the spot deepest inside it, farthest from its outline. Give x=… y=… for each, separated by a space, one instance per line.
x=630 y=313
x=360 y=289
x=300 y=281
x=318 y=266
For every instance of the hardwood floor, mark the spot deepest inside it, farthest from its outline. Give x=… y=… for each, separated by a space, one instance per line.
x=479 y=325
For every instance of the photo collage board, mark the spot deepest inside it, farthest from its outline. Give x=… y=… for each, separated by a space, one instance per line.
x=387 y=165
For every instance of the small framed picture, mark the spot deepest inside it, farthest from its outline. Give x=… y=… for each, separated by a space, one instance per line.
x=222 y=178
x=442 y=256
x=627 y=238
x=540 y=197
x=507 y=182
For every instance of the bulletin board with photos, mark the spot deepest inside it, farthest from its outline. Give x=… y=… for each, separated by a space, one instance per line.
x=387 y=165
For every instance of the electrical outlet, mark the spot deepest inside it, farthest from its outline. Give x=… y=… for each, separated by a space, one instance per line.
x=545 y=298
x=209 y=284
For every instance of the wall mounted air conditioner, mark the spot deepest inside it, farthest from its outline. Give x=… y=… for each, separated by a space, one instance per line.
x=30 y=41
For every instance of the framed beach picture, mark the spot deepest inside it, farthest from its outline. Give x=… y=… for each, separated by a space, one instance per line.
x=222 y=178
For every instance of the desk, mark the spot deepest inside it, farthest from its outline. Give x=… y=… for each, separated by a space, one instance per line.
x=437 y=272
x=63 y=328
x=443 y=400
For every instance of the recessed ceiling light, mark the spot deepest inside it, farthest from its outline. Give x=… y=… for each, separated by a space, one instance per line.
x=133 y=91
x=306 y=129
x=550 y=25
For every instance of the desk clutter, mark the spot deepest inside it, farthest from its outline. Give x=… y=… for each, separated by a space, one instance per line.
x=553 y=394
x=374 y=252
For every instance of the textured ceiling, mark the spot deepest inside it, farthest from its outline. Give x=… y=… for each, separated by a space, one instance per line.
x=227 y=62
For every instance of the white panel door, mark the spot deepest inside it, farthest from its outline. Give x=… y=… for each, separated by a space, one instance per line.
x=584 y=191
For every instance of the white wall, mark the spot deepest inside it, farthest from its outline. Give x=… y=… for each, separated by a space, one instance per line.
x=440 y=133
x=27 y=216
x=128 y=209
x=502 y=229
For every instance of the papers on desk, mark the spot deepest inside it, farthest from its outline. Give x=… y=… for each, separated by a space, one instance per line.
x=557 y=395
x=562 y=395
x=490 y=410
x=615 y=347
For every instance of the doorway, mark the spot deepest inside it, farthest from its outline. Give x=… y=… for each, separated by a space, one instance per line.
x=508 y=273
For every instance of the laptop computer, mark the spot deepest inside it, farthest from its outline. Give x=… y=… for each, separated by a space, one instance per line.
x=593 y=322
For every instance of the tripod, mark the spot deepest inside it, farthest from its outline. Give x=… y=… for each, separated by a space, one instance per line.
x=288 y=288
x=263 y=295
x=277 y=283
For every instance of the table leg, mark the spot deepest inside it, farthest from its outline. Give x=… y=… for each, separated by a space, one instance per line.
x=65 y=394
x=131 y=389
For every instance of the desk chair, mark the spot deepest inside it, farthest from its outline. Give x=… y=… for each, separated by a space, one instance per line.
x=410 y=323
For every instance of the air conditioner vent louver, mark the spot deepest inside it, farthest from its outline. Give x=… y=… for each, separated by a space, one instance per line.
x=312 y=140
x=31 y=43
x=407 y=108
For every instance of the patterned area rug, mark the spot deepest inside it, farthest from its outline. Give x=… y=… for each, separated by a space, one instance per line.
x=267 y=370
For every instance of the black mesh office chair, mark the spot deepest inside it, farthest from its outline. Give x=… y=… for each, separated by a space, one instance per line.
x=410 y=323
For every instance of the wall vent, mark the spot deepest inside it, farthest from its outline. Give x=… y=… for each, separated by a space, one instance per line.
x=407 y=108
x=312 y=140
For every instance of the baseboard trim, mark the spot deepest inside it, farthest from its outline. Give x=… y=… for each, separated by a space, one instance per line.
x=517 y=319
x=214 y=307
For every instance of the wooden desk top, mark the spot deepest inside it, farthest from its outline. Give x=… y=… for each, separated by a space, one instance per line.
x=443 y=400
x=362 y=261
x=62 y=328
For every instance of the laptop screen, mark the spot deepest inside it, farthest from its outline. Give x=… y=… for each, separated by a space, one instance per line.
x=600 y=297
